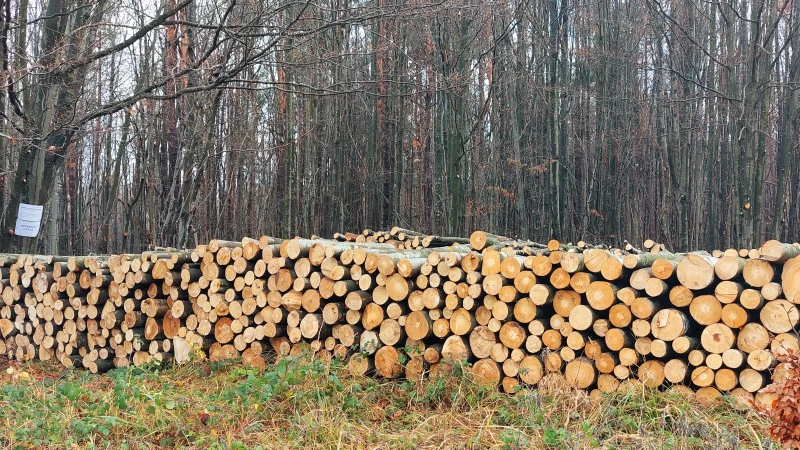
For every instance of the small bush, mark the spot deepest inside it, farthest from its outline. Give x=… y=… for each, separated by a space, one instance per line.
x=785 y=409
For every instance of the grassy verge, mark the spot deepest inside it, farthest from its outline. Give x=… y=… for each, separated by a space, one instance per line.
x=303 y=403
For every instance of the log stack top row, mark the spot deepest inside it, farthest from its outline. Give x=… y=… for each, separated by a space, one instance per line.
x=403 y=304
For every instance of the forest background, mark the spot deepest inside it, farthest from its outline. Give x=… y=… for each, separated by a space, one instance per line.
x=170 y=122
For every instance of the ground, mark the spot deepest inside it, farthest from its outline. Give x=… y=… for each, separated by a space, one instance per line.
x=302 y=403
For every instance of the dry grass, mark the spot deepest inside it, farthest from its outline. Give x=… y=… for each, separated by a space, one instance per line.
x=301 y=403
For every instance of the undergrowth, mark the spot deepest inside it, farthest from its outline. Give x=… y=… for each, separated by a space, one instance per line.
x=302 y=402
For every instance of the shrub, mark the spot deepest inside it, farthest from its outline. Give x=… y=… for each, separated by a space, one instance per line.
x=784 y=412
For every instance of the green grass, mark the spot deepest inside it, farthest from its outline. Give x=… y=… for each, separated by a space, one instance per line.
x=303 y=403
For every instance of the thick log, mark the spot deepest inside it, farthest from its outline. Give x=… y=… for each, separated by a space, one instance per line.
x=651 y=373
x=669 y=324
x=779 y=316
x=542 y=294
x=757 y=272
x=706 y=309
x=612 y=268
x=752 y=380
x=753 y=336
x=778 y=252
x=684 y=344
x=702 y=376
x=512 y=335
x=580 y=372
x=601 y=295
x=593 y=259
x=479 y=240
x=790 y=280
x=696 y=271
x=717 y=338
x=454 y=348
x=751 y=299
x=729 y=267
x=387 y=362
x=486 y=372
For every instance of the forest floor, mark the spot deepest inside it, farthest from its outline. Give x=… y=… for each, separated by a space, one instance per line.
x=302 y=403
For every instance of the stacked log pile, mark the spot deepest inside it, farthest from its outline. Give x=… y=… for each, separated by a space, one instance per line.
x=400 y=304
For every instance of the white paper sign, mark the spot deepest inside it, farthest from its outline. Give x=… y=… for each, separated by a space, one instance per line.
x=29 y=220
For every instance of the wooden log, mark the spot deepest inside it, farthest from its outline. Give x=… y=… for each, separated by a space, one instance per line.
x=725 y=379
x=696 y=271
x=684 y=344
x=542 y=295
x=619 y=315
x=387 y=362
x=706 y=309
x=524 y=281
x=525 y=311
x=714 y=361
x=605 y=362
x=512 y=335
x=680 y=296
x=733 y=358
x=541 y=266
x=757 y=272
x=618 y=338
x=454 y=348
x=790 y=280
x=751 y=299
x=752 y=380
x=360 y=365
x=486 y=372
x=717 y=338
x=784 y=344
x=665 y=268
x=593 y=259
x=391 y=332
x=479 y=240
x=531 y=370
x=669 y=324
x=627 y=295
x=753 y=336
x=676 y=371
x=572 y=262
x=778 y=252
x=592 y=348
x=771 y=291
x=655 y=287
x=492 y=284
x=491 y=262
x=601 y=295
x=761 y=360
x=580 y=372
x=581 y=317
x=313 y=326
x=702 y=376
x=651 y=373
x=728 y=291
x=644 y=308
x=462 y=322
x=564 y=300
x=708 y=395
x=779 y=316
x=729 y=267
x=481 y=341
x=612 y=269
x=607 y=383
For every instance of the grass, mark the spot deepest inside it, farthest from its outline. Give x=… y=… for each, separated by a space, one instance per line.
x=302 y=403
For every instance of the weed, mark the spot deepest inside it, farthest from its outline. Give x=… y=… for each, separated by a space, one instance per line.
x=301 y=402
